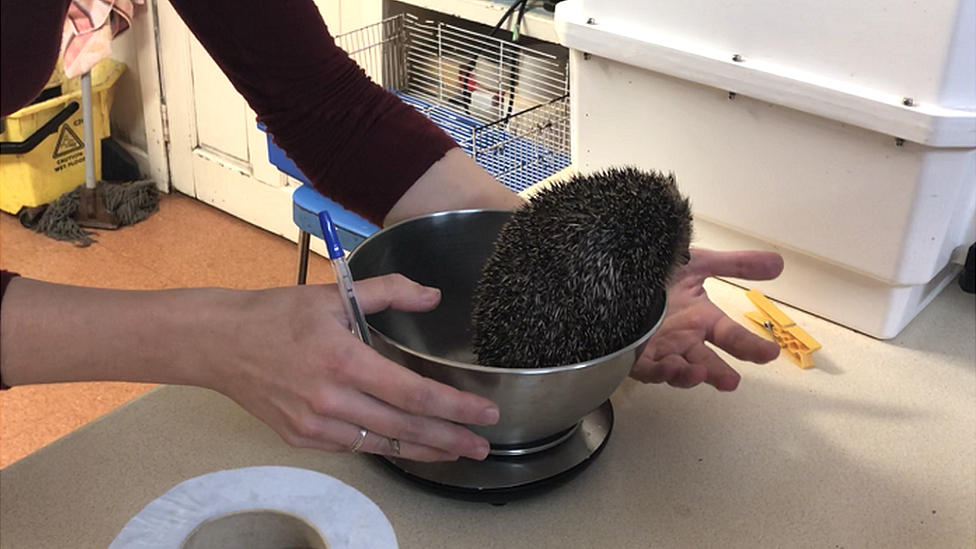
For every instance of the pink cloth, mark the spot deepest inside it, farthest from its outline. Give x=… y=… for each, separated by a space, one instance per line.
x=89 y=29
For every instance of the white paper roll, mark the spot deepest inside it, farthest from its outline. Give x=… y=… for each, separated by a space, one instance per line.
x=344 y=517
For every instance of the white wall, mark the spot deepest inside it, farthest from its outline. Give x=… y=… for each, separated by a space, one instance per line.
x=136 y=118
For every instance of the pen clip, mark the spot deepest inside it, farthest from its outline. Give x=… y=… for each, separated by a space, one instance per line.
x=330 y=236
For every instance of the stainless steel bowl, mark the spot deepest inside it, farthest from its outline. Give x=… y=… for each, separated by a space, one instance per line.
x=447 y=251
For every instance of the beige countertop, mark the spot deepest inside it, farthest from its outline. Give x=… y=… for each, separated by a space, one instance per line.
x=876 y=447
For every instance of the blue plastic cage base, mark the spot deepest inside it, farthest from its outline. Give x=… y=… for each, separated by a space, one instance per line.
x=517 y=162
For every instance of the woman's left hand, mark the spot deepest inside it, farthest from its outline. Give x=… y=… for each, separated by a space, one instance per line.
x=677 y=354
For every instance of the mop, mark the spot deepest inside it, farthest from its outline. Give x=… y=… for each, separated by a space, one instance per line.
x=91 y=210
x=95 y=205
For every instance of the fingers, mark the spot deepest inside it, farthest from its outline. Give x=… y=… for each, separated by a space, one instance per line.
x=376 y=443
x=673 y=341
x=697 y=364
x=669 y=369
x=739 y=342
x=409 y=391
x=382 y=418
x=397 y=292
x=748 y=265
x=367 y=391
x=339 y=436
x=718 y=373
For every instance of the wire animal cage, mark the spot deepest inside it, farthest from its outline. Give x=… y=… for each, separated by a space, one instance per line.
x=505 y=104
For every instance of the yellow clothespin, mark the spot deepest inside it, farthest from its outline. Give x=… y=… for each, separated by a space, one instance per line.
x=791 y=338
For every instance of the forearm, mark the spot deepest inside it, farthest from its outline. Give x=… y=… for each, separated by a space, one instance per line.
x=455 y=182
x=53 y=333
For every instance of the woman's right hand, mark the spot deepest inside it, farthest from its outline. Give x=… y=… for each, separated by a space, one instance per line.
x=292 y=362
x=286 y=355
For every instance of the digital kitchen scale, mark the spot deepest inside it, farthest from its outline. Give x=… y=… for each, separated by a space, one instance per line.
x=510 y=474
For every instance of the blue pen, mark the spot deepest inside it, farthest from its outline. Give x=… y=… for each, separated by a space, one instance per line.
x=337 y=256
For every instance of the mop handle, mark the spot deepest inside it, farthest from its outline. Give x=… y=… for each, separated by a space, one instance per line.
x=89 y=135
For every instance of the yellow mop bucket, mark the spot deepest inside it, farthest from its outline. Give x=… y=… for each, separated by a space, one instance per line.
x=42 y=150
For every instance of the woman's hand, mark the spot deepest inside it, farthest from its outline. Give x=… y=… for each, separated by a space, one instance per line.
x=298 y=368
x=285 y=355
x=677 y=353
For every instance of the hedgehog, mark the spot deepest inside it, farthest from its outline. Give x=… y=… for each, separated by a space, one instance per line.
x=576 y=271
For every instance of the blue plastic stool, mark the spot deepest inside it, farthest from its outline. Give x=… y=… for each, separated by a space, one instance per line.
x=306 y=205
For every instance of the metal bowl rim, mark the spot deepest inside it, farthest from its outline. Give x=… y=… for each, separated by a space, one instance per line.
x=417 y=219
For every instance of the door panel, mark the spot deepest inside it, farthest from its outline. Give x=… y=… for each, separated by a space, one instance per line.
x=221 y=113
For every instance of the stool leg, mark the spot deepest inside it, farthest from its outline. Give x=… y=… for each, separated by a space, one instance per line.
x=304 y=241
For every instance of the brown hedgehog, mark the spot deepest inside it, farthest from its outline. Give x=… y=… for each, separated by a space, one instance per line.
x=575 y=272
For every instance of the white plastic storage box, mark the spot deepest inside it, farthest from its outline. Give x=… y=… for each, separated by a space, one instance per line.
x=842 y=135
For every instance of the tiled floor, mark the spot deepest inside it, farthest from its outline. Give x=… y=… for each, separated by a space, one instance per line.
x=185 y=244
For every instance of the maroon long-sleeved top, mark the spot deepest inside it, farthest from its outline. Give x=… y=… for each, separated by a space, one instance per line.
x=356 y=143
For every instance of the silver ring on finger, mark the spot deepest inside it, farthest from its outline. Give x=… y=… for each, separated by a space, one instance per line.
x=395 y=446
x=358 y=443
